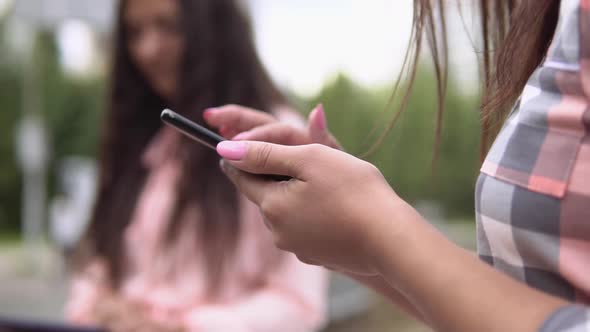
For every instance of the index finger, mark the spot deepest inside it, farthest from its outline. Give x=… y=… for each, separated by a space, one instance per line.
x=264 y=158
x=236 y=118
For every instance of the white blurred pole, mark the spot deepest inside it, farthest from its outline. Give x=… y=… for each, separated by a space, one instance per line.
x=32 y=152
x=33 y=156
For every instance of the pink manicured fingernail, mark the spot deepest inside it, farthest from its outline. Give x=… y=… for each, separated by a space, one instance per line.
x=240 y=136
x=320 y=116
x=208 y=112
x=232 y=150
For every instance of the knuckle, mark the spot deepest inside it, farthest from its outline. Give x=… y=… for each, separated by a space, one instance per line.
x=299 y=166
x=263 y=156
x=281 y=243
x=372 y=169
x=279 y=126
x=238 y=117
x=309 y=151
x=265 y=130
x=270 y=210
x=371 y=172
x=307 y=156
x=265 y=209
x=313 y=152
x=285 y=133
x=315 y=148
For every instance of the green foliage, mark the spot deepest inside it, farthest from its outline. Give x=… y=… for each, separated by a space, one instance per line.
x=10 y=184
x=71 y=109
x=9 y=174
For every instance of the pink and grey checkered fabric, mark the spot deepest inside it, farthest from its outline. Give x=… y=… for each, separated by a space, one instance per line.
x=533 y=194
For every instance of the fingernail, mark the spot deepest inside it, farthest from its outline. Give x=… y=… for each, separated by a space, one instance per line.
x=320 y=116
x=232 y=150
x=208 y=112
x=240 y=136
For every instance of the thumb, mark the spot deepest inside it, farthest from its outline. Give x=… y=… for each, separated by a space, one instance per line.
x=263 y=158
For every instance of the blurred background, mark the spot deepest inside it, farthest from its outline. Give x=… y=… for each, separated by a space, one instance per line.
x=346 y=54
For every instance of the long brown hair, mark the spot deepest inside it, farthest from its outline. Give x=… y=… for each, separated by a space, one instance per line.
x=220 y=66
x=515 y=36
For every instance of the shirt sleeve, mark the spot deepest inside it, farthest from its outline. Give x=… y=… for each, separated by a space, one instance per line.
x=571 y=318
x=574 y=47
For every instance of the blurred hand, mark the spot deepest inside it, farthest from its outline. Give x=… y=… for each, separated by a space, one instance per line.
x=241 y=123
x=119 y=315
x=331 y=210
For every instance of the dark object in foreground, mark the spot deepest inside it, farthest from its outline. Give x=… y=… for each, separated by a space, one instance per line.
x=16 y=325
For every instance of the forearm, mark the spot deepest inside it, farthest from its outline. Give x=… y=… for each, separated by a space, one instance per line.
x=451 y=286
x=380 y=285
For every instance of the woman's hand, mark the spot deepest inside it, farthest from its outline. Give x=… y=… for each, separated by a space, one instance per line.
x=242 y=123
x=259 y=126
x=331 y=209
x=120 y=315
x=338 y=211
x=117 y=315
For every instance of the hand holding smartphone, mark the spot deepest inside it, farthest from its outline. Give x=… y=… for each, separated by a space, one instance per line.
x=201 y=134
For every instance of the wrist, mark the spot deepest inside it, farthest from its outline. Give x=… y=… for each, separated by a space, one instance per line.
x=401 y=243
x=387 y=229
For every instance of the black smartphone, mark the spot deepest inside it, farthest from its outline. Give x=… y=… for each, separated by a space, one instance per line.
x=201 y=134
x=191 y=129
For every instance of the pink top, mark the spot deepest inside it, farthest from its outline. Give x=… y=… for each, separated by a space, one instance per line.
x=258 y=294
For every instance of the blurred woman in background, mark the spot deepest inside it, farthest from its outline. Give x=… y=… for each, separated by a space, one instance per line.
x=172 y=245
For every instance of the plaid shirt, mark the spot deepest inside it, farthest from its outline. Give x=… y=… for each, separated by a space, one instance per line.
x=533 y=194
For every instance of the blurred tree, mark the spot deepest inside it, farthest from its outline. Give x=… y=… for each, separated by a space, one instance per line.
x=10 y=108
x=71 y=108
